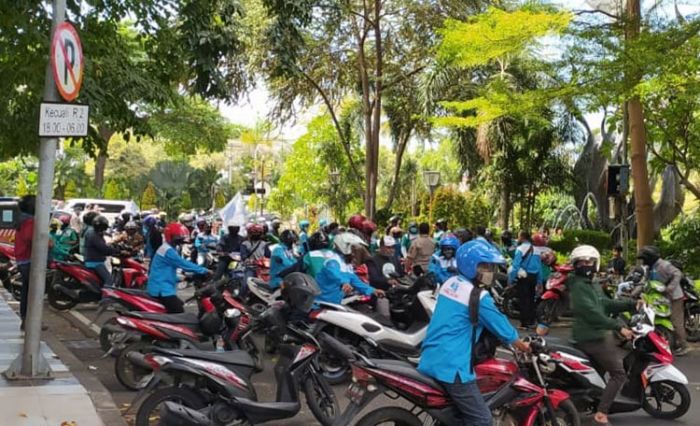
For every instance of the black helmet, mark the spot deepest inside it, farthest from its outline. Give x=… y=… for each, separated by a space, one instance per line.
x=649 y=255
x=318 y=241
x=89 y=217
x=299 y=291
x=507 y=237
x=27 y=204
x=394 y=219
x=288 y=237
x=100 y=223
x=126 y=217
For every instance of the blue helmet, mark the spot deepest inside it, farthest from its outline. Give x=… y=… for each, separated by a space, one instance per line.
x=304 y=224
x=322 y=222
x=449 y=241
x=472 y=253
x=150 y=221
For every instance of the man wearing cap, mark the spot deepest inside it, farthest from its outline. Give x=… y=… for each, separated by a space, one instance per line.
x=384 y=266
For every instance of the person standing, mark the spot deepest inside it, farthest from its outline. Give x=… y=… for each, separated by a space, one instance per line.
x=526 y=274
x=408 y=238
x=617 y=263
x=304 y=237
x=23 y=249
x=75 y=220
x=663 y=271
x=421 y=250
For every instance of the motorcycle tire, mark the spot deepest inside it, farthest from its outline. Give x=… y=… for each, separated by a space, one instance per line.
x=661 y=389
x=546 y=311
x=181 y=395
x=129 y=375
x=566 y=415
x=692 y=327
x=321 y=399
x=399 y=416
x=249 y=346
x=510 y=304
x=57 y=299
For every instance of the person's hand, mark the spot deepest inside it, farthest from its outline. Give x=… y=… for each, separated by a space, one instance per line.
x=626 y=333
x=522 y=346
x=379 y=293
x=347 y=288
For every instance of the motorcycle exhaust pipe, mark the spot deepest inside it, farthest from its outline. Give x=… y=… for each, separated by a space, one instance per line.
x=139 y=360
x=173 y=414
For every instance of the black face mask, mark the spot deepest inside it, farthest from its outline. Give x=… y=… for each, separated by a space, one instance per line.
x=585 y=271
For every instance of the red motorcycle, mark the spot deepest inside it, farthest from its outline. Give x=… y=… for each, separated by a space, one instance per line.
x=555 y=299
x=512 y=398
x=75 y=283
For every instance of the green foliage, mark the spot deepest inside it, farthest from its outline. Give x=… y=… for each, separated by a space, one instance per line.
x=460 y=210
x=149 y=197
x=112 y=191
x=681 y=243
x=576 y=237
x=71 y=191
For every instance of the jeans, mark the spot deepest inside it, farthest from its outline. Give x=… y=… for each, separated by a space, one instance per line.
x=24 y=274
x=609 y=357
x=526 y=299
x=469 y=403
x=104 y=274
x=173 y=304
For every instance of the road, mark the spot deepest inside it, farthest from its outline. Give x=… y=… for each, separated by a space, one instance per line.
x=74 y=330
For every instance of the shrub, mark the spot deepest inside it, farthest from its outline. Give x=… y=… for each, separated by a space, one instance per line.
x=461 y=210
x=572 y=238
x=682 y=243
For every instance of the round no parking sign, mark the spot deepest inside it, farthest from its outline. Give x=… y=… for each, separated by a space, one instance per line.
x=67 y=61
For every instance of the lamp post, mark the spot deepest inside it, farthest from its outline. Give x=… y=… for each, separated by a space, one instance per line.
x=432 y=180
x=334 y=176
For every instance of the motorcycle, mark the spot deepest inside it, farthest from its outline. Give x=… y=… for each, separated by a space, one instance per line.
x=215 y=389
x=220 y=315
x=399 y=338
x=511 y=397
x=652 y=378
x=555 y=299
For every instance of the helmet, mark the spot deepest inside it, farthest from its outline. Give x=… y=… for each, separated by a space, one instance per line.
x=64 y=219
x=413 y=226
x=187 y=219
x=318 y=241
x=131 y=225
x=394 y=219
x=201 y=221
x=304 y=224
x=322 y=222
x=649 y=255
x=441 y=222
x=449 y=241
x=100 y=223
x=464 y=235
x=470 y=255
x=585 y=252
x=27 y=204
x=288 y=237
x=150 y=221
x=175 y=233
x=539 y=240
x=234 y=222
x=299 y=291
x=344 y=242
x=126 y=216
x=368 y=227
x=507 y=237
x=276 y=223
x=355 y=221
x=255 y=230
x=548 y=258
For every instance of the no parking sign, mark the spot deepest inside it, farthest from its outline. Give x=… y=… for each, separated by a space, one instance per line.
x=67 y=61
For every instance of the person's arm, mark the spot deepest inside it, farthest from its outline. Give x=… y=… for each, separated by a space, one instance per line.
x=584 y=306
x=333 y=273
x=173 y=259
x=674 y=277
x=435 y=268
x=359 y=285
x=497 y=323
x=517 y=261
x=99 y=244
x=612 y=306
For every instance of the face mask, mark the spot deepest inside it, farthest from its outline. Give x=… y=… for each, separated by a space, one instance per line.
x=413 y=231
x=585 y=271
x=486 y=278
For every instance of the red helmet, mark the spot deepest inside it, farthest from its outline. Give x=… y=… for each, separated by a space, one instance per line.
x=368 y=227
x=356 y=221
x=64 y=219
x=255 y=230
x=539 y=240
x=175 y=233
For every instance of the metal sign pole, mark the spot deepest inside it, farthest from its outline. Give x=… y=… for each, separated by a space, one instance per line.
x=31 y=363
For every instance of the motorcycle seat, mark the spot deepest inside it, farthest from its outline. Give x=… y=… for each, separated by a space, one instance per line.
x=184 y=319
x=557 y=344
x=407 y=370
x=231 y=357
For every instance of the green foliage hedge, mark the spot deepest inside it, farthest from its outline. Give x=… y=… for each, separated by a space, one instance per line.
x=572 y=238
x=461 y=210
x=682 y=243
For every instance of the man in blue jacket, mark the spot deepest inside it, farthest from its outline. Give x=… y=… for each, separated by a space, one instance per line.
x=282 y=258
x=337 y=277
x=526 y=273
x=444 y=264
x=162 y=278
x=447 y=348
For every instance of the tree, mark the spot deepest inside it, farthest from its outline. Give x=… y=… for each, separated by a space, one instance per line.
x=149 y=197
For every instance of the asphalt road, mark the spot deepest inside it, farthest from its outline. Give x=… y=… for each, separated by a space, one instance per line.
x=72 y=328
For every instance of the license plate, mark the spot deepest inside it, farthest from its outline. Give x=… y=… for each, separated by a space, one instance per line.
x=355 y=393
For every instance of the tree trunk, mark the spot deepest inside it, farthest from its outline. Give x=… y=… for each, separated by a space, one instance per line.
x=101 y=159
x=372 y=166
x=642 y=192
x=403 y=141
x=504 y=209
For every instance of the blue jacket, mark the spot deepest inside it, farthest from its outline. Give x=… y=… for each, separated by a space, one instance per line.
x=333 y=275
x=303 y=246
x=281 y=259
x=200 y=243
x=532 y=264
x=446 y=352
x=439 y=267
x=162 y=278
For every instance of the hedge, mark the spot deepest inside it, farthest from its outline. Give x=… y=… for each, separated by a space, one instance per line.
x=573 y=238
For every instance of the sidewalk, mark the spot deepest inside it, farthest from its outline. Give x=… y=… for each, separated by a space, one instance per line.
x=62 y=401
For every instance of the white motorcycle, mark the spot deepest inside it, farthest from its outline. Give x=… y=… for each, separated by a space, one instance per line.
x=398 y=337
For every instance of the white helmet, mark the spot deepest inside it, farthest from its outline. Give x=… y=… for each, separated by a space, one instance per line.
x=235 y=222
x=585 y=252
x=345 y=241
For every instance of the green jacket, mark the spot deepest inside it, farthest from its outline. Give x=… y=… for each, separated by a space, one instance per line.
x=591 y=309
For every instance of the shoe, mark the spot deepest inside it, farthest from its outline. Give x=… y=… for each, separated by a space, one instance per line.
x=682 y=351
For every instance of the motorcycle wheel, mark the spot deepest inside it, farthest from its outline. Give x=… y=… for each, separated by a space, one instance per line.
x=546 y=311
x=390 y=416
x=321 y=399
x=57 y=299
x=565 y=415
x=665 y=391
x=106 y=335
x=692 y=327
x=129 y=375
x=249 y=346
x=149 y=411
x=510 y=304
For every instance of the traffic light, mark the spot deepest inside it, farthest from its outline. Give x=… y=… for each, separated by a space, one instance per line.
x=618 y=179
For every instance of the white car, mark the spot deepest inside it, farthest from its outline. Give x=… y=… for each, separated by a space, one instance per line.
x=108 y=208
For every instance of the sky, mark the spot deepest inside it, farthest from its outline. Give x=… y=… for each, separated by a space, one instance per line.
x=258 y=104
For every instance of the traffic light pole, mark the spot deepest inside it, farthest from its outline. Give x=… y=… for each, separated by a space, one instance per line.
x=31 y=364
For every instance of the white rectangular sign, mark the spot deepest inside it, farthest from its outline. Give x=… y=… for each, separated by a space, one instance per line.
x=63 y=120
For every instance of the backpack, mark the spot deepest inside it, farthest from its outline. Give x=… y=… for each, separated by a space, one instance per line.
x=485 y=347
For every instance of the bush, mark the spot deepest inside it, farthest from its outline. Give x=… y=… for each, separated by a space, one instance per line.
x=572 y=238
x=460 y=210
x=682 y=243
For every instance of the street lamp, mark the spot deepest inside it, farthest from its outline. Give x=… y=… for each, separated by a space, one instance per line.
x=432 y=180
